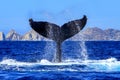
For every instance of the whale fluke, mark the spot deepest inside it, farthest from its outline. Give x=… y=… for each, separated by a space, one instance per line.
x=46 y=29
x=73 y=27
x=58 y=34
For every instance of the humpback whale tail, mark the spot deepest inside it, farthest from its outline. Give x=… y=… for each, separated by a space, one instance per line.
x=58 y=34
x=73 y=27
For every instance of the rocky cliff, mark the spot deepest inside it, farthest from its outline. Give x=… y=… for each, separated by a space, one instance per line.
x=33 y=36
x=2 y=36
x=13 y=35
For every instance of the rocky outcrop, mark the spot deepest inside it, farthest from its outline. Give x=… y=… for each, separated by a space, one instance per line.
x=33 y=36
x=2 y=36
x=13 y=35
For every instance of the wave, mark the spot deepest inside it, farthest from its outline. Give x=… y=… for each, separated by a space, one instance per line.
x=107 y=65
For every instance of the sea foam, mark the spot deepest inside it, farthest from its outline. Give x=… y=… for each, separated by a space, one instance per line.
x=106 y=65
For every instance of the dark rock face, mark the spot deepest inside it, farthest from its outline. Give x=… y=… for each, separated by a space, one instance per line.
x=58 y=34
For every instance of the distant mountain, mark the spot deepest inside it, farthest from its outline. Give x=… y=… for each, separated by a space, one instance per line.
x=33 y=36
x=89 y=34
x=2 y=36
x=112 y=34
x=13 y=35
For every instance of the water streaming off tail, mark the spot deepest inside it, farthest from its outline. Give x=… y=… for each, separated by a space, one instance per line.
x=50 y=47
x=49 y=51
x=50 y=31
x=83 y=52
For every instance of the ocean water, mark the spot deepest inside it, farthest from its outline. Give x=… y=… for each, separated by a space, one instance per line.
x=33 y=60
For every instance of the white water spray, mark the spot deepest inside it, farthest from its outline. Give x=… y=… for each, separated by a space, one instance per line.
x=83 y=53
x=49 y=51
x=107 y=65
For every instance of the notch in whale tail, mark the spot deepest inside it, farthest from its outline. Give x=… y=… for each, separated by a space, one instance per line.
x=58 y=34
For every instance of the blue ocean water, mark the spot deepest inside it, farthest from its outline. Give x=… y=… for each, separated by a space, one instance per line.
x=33 y=60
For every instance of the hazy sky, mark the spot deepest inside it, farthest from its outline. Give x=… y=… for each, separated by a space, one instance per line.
x=14 y=14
